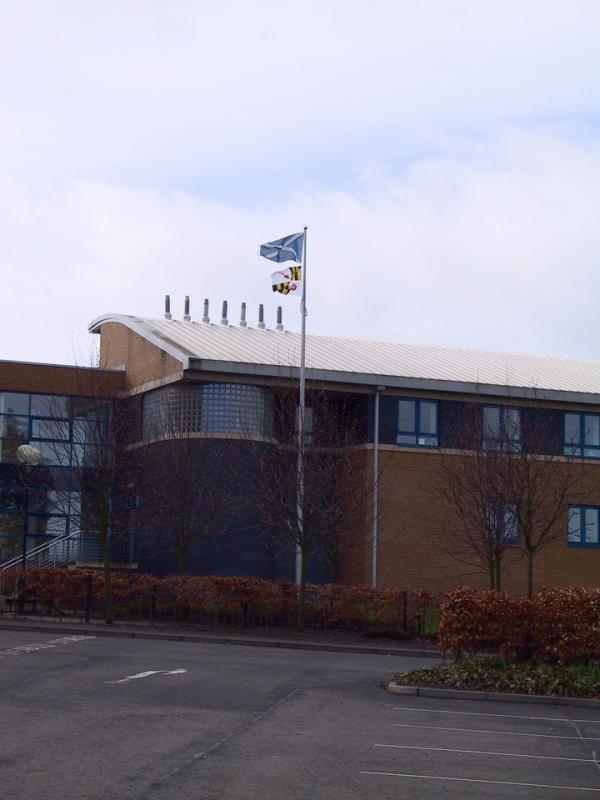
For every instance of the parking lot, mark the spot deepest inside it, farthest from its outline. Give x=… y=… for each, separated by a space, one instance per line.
x=448 y=748
x=118 y=718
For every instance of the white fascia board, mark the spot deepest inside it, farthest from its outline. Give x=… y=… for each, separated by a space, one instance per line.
x=140 y=327
x=394 y=381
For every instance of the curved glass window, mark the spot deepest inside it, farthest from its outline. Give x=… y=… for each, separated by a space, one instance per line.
x=208 y=408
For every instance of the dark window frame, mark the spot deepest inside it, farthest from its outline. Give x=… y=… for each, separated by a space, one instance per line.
x=578 y=449
x=417 y=432
x=489 y=443
x=582 y=508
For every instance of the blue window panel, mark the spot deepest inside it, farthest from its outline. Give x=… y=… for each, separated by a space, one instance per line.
x=417 y=423
x=502 y=522
x=53 y=429
x=582 y=435
x=501 y=428
x=584 y=526
x=14 y=403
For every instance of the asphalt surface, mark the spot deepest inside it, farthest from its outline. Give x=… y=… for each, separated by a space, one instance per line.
x=92 y=718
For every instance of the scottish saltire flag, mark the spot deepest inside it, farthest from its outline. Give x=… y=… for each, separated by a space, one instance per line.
x=288 y=281
x=290 y=248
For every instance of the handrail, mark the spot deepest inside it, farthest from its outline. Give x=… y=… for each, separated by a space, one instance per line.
x=17 y=560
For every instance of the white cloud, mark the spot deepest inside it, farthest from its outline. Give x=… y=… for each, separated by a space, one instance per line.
x=501 y=255
x=445 y=156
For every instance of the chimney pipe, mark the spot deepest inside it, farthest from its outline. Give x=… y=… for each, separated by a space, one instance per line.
x=168 y=314
x=261 y=316
x=279 y=318
x=243 y=322
x=186 y=313
x=224 y=314
x=206 y=318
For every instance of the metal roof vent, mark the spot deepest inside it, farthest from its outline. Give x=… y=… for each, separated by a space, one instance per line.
x=205 y=317
x=279 y=325
x=168 y=314
x=224 y=314
x=243 y=322
x=186 y=312
x=261 y=316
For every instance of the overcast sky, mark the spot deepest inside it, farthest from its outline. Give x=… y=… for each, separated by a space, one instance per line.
x=445 y=156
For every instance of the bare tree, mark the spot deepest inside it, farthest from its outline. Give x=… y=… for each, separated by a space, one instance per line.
x=337 y=486
x=88 y=433
x=507 y=486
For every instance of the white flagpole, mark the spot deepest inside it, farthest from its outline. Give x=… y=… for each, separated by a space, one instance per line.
x=301 y=419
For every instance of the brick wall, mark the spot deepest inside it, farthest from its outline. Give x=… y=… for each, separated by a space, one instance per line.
x=143 y=361
x=411 y=525
x=16 y=376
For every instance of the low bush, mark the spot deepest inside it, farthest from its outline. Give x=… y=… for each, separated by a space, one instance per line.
x=494 y=674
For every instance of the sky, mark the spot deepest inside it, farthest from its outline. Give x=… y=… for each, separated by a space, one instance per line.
x=445 y=156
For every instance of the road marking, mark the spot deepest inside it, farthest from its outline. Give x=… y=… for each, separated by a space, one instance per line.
x=497 y=733
x=35 y=646
x=480 y=780
x=484 y=753
x=139 y=675
x=487 y=714
x=483 y=714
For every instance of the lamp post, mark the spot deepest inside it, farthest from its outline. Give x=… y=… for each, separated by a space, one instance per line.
x=27 y=457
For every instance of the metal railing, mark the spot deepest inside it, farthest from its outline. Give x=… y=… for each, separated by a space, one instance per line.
x=75 y=547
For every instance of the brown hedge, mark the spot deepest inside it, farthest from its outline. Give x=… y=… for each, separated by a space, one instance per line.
x=560 y=625
x=249 y=598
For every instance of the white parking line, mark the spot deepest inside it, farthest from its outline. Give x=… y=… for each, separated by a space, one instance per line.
x=487 y=714
x=139 y=675
x=33 y=648
x=484 y=753
x=480 y=780
x=497 y=733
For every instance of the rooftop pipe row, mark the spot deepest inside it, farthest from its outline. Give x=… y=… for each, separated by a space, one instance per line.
x=224 y=320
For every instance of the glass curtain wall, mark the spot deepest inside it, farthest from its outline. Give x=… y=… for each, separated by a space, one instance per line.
x=42 y=439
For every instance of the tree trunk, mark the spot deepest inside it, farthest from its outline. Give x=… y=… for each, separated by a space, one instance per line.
x=181 y=560
x=108 y=594
x=302 y=594
x=530 y=555
x=492 y=574
x=498 y=573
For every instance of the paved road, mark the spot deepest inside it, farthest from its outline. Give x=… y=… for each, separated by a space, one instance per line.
x=150 y=720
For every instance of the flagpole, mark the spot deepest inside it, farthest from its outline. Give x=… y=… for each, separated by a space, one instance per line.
x=301 y=419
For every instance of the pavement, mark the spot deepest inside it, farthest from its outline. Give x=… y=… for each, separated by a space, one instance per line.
x=170 y=632
x=90 y=717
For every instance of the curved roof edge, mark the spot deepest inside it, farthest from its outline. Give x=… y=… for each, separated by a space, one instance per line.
x=142 y=328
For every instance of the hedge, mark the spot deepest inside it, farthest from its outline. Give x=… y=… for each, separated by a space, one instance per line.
x=229 y=599
x=561 y=625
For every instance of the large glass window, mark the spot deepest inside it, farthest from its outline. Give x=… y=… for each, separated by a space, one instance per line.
x=41 y=500
x=503 y=522
x=583 y=526
x=582 y=435
x=417 y=423
x=208 y=408
x=501 y=428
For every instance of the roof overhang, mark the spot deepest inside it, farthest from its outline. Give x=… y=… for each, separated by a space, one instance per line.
x=392 y=381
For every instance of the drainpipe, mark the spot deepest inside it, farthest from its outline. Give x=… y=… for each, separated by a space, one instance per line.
x=374 y=521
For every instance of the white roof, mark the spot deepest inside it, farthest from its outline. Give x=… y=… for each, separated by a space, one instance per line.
x=231 y=348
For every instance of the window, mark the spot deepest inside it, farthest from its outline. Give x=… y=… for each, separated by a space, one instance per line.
x=417 y=423
x=502 y=521
x=583 y=526
x=501 y=428
x=208 y=408
x=582 y=435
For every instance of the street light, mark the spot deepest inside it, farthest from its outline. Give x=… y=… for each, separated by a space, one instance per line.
x=27 y=457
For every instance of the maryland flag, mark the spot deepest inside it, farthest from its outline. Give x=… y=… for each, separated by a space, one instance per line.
x=288 y=281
